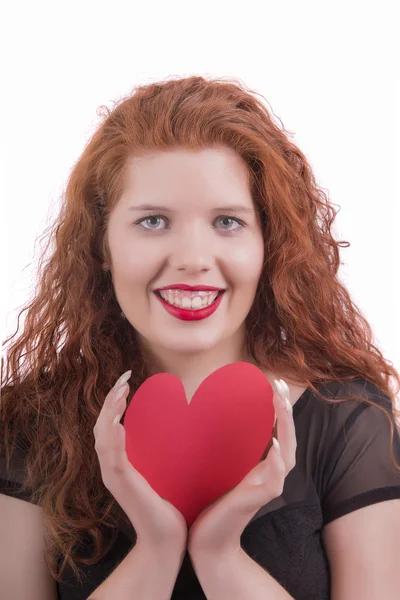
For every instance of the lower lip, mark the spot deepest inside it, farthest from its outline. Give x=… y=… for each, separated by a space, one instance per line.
x=191 y=315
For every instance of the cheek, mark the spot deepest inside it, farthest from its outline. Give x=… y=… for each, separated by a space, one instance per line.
x=245 y=264
x=135 y=265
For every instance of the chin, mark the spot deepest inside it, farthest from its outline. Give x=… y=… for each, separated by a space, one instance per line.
x=188 y=345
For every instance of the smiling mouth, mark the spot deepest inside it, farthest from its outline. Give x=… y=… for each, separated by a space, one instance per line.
x=190 y=301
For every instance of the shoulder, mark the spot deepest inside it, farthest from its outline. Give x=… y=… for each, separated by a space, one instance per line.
x=341 y=400
x=13 y=473
x=353 y=418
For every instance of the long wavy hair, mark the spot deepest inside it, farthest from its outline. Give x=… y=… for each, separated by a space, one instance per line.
x=74 y=343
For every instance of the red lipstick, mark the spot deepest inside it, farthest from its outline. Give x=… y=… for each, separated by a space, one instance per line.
x=190 y=315
x=184 y=286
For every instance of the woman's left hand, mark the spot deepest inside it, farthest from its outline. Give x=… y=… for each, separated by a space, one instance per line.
x=219 y=527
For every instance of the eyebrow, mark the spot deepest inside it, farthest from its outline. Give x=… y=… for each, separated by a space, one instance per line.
x=235 y=208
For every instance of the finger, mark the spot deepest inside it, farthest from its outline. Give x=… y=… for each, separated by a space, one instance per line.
x=106 y=442
x=269 y=470
x=107 y=413
x=109 y=401
x=259 y=487
x=118 y=459
x=286 y=435
x=110 y=444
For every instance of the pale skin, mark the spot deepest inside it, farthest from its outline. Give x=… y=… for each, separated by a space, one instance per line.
x=189 y=244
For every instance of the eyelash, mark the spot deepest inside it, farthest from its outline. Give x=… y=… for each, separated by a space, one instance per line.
x=239 y=221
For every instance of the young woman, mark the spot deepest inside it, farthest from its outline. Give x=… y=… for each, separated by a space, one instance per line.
x=189 y=185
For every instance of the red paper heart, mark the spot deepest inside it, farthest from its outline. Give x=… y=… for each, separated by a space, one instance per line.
x=192 y=454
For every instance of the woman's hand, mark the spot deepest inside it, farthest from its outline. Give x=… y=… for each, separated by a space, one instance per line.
x=218 y=528
x=158 y=524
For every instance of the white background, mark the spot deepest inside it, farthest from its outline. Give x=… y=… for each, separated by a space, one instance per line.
x=328 y=71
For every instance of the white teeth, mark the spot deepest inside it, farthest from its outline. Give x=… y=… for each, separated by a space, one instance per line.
x=196 y=302
x=188 y=300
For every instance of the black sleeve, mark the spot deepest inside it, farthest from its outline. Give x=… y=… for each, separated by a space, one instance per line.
x=11 y=479
x=356 y=468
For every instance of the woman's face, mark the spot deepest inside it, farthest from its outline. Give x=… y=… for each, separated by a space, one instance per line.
x=186 y=218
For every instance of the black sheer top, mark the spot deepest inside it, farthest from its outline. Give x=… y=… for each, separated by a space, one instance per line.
x=342 y=464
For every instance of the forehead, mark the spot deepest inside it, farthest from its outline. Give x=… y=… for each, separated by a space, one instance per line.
x=209 y=174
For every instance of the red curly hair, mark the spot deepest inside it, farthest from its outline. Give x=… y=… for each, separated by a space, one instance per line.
x=75 y=345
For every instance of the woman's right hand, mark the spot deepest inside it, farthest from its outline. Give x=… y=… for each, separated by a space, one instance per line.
x=158 y=524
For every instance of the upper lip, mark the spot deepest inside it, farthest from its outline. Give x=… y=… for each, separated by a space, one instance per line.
x=193 y=288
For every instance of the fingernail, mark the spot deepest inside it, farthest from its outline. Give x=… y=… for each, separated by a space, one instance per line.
x=123 y=379
x=277 y=445
x=284 y=387
x=121 y=391
x=116 y=420
x=284 y=392
x=278 y=386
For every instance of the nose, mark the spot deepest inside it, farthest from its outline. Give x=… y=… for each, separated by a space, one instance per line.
x=192 y=252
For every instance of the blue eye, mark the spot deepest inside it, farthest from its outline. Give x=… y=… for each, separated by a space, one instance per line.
x=153 y=218
x=238 y=222
x=152 y=222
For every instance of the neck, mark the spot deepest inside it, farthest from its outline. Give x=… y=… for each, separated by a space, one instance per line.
x=193 y=368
